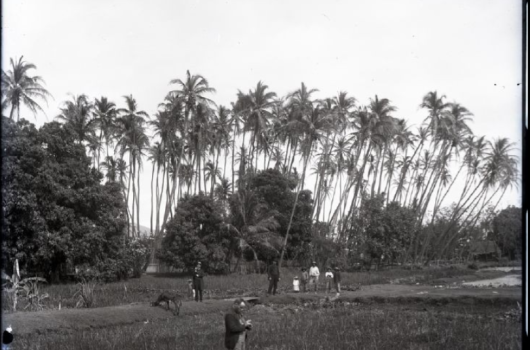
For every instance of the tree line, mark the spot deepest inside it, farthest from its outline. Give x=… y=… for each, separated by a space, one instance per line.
x=356 y=154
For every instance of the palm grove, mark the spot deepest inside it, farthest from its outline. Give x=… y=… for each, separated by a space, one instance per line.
x=229 y=183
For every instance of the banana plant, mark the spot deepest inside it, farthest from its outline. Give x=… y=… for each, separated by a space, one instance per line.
x=27 y=288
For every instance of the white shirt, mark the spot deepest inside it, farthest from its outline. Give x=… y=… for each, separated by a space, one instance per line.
x=314 y=271
x=329 y=274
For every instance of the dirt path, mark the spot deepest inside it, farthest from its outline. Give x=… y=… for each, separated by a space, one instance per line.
x=67 y=320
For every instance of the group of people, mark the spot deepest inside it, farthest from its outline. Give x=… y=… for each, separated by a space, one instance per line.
x=308 y=281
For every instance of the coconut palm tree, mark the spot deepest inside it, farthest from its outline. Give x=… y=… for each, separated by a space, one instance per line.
x=20 y=88
x=157 y=157
x=132 y=140
x=190 y=92
x=105 y=116
x=110 y=166
x=77 y=113
x=313 y=125
x=258 y=113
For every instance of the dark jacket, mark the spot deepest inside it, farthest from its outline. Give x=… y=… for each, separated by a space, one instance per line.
x=336 y=276
x=273 y=271
x=198 y=280
x=233 y=329
x=305 y=277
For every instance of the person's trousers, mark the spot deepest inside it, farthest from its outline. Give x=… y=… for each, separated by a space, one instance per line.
x=273 y=285
x=198 y=294
x=329 y=284
x=314 y=280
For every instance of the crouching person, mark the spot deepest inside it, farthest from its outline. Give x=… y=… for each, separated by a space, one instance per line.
x=236 y=327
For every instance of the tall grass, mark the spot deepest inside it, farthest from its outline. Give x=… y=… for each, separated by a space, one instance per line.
x=342 y=328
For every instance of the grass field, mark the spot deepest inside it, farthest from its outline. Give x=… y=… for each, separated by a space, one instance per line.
x=345 y=327
x=292 y=325
x=148 y=287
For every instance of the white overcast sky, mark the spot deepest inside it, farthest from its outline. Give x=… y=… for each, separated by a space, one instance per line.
x=469 y=50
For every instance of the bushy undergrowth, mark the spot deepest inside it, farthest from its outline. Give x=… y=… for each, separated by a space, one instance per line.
x=340 y=328
x=147 y=288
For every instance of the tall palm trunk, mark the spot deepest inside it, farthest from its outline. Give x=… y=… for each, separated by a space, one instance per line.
x=357 y=187
x=438 y=203
x=153 y=199
x=167 y=210
x=138 y=199
x=350 y=182
x=127 y=198
x=233 y=160
x=414 y=172
x=295 y=204
x=383 y=155
x=133 y=176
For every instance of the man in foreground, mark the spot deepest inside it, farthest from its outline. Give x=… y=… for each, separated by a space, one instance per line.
x=236 y=327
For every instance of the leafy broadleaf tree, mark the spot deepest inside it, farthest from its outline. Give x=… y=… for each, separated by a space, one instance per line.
x=55 y=210
x=196 y=233
x=507 y=232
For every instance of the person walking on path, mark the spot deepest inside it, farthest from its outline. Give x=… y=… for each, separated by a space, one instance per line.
x=274 y=276
x=304 y=280
x=314 y=273
x=329 y=279
x=236 y=327
x=336 y=278
x=198 y=283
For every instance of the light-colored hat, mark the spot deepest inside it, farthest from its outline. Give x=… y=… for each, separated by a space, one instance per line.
x=9 y=329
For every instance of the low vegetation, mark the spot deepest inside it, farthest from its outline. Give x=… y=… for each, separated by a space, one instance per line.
x=347 y=327
x=147 y=288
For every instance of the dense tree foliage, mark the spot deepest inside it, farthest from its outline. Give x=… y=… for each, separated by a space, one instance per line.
x=55 y=210
x=383 y=234
x=197 y=234
x=508 y=232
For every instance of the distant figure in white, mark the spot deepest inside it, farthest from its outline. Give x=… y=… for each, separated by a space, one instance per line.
x=329 y=279
x=296 y=284
x=314 y=273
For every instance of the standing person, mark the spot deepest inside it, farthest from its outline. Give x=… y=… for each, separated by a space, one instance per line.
x=314 y=273
x=274 y=276
x=336 y=278
x=296 y=284
x=236 y=327
x=329 y=279
x=191 y=290
x=198 y=283
x=305 y=279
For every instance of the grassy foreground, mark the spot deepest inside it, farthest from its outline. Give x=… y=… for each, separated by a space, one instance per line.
x=345 y=327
